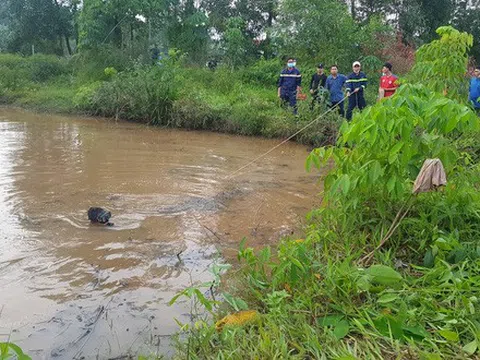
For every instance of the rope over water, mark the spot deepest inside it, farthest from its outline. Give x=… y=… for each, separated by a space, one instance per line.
x=233 y=174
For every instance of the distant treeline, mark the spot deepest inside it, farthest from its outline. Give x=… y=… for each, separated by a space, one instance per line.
x=232 y=32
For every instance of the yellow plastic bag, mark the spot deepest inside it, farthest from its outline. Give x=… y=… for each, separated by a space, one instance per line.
x=238 y=319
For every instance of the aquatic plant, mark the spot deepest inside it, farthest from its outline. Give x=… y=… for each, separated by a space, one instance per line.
x=9 y=351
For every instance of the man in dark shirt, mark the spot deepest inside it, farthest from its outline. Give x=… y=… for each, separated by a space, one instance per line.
x=317 y=85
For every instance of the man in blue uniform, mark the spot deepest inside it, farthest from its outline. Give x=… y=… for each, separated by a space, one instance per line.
x=356 y=84
x=474 y=94
x=334 y=84
x=289 y=84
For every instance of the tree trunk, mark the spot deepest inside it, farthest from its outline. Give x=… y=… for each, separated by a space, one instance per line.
x=131 y=37
x=117 y=34
x=69 y=47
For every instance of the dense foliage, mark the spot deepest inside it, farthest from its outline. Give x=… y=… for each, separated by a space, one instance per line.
x=241 y=32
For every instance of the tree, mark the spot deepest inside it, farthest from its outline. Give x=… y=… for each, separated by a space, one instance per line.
x=441 y=64
x=436 y=13
x=4 y=27
x=410 y=21
x=188 y=30
x=365 y=9
x=235 y=42
x=102 y=22
x=323 y=30
x=258 y=18
x=467 y=18
x=47 y=24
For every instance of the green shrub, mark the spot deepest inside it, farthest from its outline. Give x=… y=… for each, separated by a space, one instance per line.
x=145 y=95
x=44 y=68
x=110 y=72
x=441 y=64
x=262 y=72
x=90 y=65
x=12 y=78
x=84 y=97
x=37 y=68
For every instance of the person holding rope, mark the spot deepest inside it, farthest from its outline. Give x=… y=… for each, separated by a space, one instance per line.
x=289 y=85
x=334 y=84
x=356 y=84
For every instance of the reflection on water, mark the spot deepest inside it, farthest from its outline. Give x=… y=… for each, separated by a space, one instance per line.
x=73 y=290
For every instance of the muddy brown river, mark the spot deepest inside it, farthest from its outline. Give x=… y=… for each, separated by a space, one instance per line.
x=72 y=290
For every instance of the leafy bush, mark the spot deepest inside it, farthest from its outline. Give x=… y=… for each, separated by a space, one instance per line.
x=442 y=64
x=146 y=95
x=37 y=68
x=90 y=65
x=263 y=72
x=84 y=97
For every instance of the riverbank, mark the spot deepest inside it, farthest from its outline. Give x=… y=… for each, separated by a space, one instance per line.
x=381 y=272
x=242 y=101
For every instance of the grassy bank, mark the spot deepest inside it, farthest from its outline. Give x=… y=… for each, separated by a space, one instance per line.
x=241 y=101
x=381 y=273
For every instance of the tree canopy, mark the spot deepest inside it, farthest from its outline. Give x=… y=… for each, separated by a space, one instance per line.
x=238 y=31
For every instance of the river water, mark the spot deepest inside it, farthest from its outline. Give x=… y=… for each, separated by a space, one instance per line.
x=73 y=290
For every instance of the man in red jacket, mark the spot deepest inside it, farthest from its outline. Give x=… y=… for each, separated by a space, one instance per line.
x=388 y=82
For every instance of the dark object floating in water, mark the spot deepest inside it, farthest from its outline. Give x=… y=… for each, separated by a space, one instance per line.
x=99 y=216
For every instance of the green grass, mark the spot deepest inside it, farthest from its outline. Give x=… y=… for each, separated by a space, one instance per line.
x=48 y=98
x=334 y=309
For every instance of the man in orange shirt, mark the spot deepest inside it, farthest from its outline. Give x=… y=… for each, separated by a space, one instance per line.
x=388 y=82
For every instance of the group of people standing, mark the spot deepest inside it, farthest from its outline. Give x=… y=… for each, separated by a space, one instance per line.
x=338 y=87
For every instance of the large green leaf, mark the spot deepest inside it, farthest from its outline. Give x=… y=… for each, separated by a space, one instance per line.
x=392 y=156
x=341 y=329
x=384 y=275
x=389 y=326
x=471 y=347
x=330 y=320
x=416 y=332
x=449 y=335
x=387 y=298
x=375 y=171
